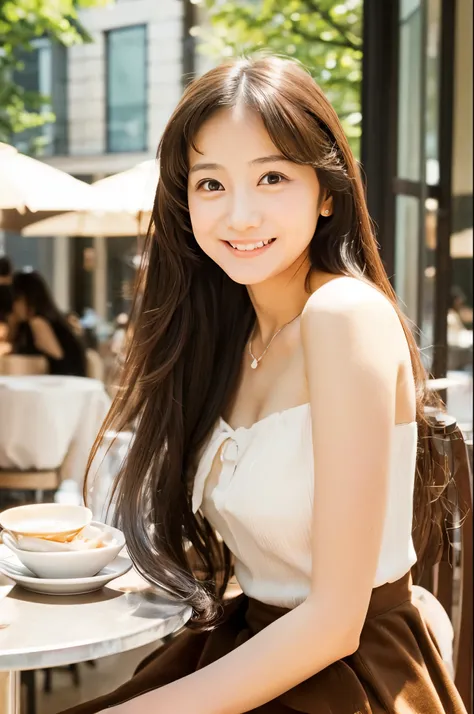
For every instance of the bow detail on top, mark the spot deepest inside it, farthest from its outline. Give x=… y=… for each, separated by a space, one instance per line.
x=229 y=455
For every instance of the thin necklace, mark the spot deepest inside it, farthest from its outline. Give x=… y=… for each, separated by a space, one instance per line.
x=256 y=360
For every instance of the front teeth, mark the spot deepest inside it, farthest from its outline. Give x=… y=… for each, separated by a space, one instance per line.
x=251 y=246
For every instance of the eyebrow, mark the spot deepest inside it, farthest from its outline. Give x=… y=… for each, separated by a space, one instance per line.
x=261 y=160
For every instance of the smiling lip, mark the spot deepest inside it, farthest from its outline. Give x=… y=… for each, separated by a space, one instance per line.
x=249 y=253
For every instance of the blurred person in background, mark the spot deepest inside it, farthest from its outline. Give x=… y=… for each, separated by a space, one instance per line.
x=40 y=328
x=6 y=301
x=94 y=362
x=90 y=325
x=114 y=353
x=460 y=307
x=6 y=277
x=74 y=322
x=460 y=337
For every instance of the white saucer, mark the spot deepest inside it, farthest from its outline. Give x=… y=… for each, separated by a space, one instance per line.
x=16 y=571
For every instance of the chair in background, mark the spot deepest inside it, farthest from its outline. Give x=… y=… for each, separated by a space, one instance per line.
x=33 y=483
x=449 y=576
x=20 y=365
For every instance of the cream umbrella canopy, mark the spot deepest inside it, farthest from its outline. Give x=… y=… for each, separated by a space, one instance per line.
x=132 y=191
x=125 y=201
x=29 y=184
x=90 y=224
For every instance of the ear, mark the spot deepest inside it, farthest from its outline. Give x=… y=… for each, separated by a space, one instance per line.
x=326 y=209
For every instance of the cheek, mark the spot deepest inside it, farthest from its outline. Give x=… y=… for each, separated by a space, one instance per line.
x=297 y=214
x=207 y=220
x=203 y=216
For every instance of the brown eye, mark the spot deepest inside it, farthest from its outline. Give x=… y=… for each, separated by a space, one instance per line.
x=211 y=185
x=272 y=179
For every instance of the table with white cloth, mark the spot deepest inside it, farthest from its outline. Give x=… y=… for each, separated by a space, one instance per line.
x=50 y=422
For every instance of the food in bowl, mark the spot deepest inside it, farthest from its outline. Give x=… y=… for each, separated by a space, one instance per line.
x=70 y=563
x=87 y=538
x=51 y=521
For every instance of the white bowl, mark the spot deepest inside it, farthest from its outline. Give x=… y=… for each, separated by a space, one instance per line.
x=72 y=563
x=46 y=520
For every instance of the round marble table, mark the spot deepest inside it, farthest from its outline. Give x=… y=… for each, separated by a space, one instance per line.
x=38 y=631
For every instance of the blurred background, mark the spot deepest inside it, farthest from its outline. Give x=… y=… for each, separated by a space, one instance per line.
x=88 y=87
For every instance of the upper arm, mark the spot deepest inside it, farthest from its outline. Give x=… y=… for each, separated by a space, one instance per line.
x=351 y=339
x=45 y=338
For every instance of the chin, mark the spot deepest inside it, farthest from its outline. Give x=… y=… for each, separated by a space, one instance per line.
x=250 y=276
x=257 y=270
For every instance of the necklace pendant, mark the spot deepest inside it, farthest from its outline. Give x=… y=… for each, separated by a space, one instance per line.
x=254 y=364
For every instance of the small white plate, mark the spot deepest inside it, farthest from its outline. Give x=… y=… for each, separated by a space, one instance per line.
x=16 y=571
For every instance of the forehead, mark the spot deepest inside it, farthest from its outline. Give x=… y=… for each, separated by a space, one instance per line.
x=236 y=134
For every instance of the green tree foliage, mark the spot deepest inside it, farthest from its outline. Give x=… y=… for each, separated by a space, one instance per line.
x=21 y=23
x=325 y=35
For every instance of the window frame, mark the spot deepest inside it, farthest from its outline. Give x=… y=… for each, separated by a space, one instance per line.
x=380 y=128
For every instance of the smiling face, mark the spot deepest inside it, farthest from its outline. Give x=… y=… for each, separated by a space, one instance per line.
x=252 y=211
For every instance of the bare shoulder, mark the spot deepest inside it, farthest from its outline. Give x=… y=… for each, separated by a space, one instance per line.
x=348 y=307
x=343 y=294
x=350 y=299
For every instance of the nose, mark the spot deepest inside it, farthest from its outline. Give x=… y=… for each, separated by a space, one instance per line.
x=243 y=214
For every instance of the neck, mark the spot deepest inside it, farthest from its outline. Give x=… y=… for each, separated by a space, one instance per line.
x=279 y=300
x=5 y=280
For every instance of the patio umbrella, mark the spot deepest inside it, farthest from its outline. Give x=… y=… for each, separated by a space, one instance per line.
x=132 y=190
x=14 y=221
x=90 y=224
x=125 y=201
x=29 y=184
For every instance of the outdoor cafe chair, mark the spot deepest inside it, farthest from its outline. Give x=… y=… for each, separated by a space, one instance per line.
x=34 y=483
x=445 y=565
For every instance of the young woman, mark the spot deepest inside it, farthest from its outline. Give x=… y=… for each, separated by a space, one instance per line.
x=39 y=327
x=278 y=396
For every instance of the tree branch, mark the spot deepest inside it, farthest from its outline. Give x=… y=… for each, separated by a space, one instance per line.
x=334 y=43
x=313 y=5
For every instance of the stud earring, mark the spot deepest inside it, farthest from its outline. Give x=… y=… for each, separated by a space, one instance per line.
x=326 y=212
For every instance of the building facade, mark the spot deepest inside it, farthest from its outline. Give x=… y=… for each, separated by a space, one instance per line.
x=112 y=98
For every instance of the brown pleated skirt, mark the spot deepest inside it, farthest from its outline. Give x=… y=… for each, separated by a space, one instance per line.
x=397 y=668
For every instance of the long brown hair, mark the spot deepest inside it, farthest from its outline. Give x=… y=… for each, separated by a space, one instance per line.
x=190 y=321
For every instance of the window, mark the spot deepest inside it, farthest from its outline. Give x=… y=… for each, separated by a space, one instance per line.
x=45 y=72
x=127 y=89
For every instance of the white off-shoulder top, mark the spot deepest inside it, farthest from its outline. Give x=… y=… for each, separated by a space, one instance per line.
x=258 y=495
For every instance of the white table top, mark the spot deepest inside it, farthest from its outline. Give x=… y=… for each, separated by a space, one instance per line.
x=39 y=631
